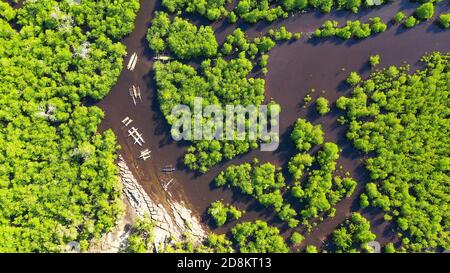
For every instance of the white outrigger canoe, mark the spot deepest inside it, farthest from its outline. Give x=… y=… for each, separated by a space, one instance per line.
x=133 y=61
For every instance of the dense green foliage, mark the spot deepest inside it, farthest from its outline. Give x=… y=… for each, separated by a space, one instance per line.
x=181 y=37
x=214 y=243
x=425 y=11
x=311 y=249
x=422 y=13
x=316 y=195
x=247 y=237
x=221 y=213
x=410 y=22
x=353 y=29
x=444 y=20
x=219 y=243
x=264 y=182
x=307 y=99
x=298 y=164
x=100 y=18
x=220 y=81
x=399 y=17
x=353 y=235
x=296 y=238
x=58 y=180
x=211 y=9
x=321 y=189
x=252 y=11
x=281 y=34
x=238 y=44
x=226 y=76
x=305 y=135
x=354 y=79
x=374 y=60
x=141 y=237
x=389 y=248
x=322 y=106
x=258 y=237
x=7 y=12
x=403 y=119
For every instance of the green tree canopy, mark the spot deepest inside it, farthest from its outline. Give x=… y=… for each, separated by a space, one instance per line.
x=58 y=180
x=353 y=235
x=258 y=237
x=402 y=117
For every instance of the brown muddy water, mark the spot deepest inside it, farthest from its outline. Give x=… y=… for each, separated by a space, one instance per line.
x=294 y=69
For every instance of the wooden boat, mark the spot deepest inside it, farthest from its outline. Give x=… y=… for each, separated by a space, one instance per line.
x=168 y=169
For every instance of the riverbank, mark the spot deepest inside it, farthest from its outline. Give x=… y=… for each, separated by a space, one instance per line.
x=294 y=69
x=169 y=224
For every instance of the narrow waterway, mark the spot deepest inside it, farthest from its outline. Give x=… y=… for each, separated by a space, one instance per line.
x=294 y=69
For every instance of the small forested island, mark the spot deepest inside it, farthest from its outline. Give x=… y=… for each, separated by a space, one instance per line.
x=344 y=106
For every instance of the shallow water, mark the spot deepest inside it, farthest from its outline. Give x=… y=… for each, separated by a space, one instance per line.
x=294 y=69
